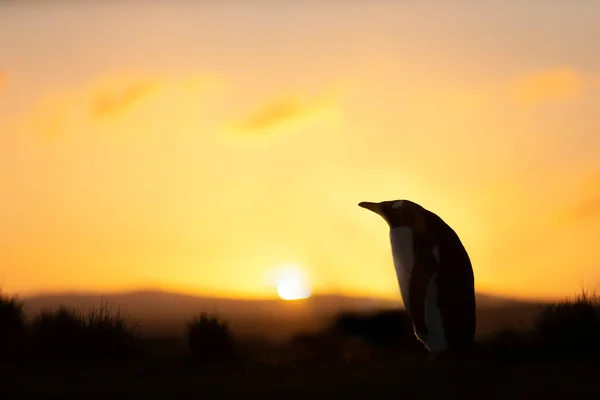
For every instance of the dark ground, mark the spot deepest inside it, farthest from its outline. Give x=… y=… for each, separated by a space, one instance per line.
x=172 y=375
x=328 y=366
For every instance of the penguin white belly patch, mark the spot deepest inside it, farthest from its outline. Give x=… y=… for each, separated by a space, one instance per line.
x=404 y=259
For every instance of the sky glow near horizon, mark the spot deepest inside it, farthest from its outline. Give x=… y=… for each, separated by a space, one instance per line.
x=197 y=147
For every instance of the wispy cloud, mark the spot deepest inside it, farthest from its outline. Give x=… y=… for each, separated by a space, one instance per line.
x=557 y=84
x=581 y=201
x=588 y=202
x=115 y=96
x=273 y=114
x=589 y=209
x=130 y=102
x=284 y=111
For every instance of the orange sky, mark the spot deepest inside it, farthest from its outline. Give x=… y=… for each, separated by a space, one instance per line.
x=196 y=147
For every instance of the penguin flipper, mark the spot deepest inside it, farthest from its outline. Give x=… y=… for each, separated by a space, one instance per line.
x=423 y=271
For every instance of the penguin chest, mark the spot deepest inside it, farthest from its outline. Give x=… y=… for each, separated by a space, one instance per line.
x=403 y=253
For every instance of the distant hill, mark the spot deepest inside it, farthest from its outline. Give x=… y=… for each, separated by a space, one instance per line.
x=162 y=312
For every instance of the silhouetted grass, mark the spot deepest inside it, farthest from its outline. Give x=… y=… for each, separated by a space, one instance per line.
x=358 y=355
x=564 y=331
x=209 y=339
x=569 y=329
x=71 y=334
x=12 y=326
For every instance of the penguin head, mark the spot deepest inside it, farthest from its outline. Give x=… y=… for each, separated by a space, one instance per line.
x=399 y=213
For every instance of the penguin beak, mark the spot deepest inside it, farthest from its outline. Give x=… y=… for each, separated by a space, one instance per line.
x=375 y=207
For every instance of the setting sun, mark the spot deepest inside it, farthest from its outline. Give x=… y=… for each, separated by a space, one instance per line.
x=292 y=284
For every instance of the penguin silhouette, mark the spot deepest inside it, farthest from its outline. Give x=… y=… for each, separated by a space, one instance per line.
x=435 y=276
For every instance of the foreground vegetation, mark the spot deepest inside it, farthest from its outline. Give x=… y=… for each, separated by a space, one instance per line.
x=102 y=349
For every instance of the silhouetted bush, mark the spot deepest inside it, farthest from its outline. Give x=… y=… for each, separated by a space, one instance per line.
x=12 y=326
x=97 y=334
x=387 y=328
x=569 y=329
x=209 y=339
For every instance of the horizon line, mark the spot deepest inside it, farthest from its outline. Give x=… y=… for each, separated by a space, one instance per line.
x=139 y=290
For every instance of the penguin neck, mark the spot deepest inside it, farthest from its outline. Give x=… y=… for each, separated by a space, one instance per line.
x=402 y=241
x=401 y=234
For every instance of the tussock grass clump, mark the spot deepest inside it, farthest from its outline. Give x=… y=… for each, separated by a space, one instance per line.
x=57 y=334
x=12 y=326
x=111 y=333
x=569 y=329
x=101 y=333
x=209 y=338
